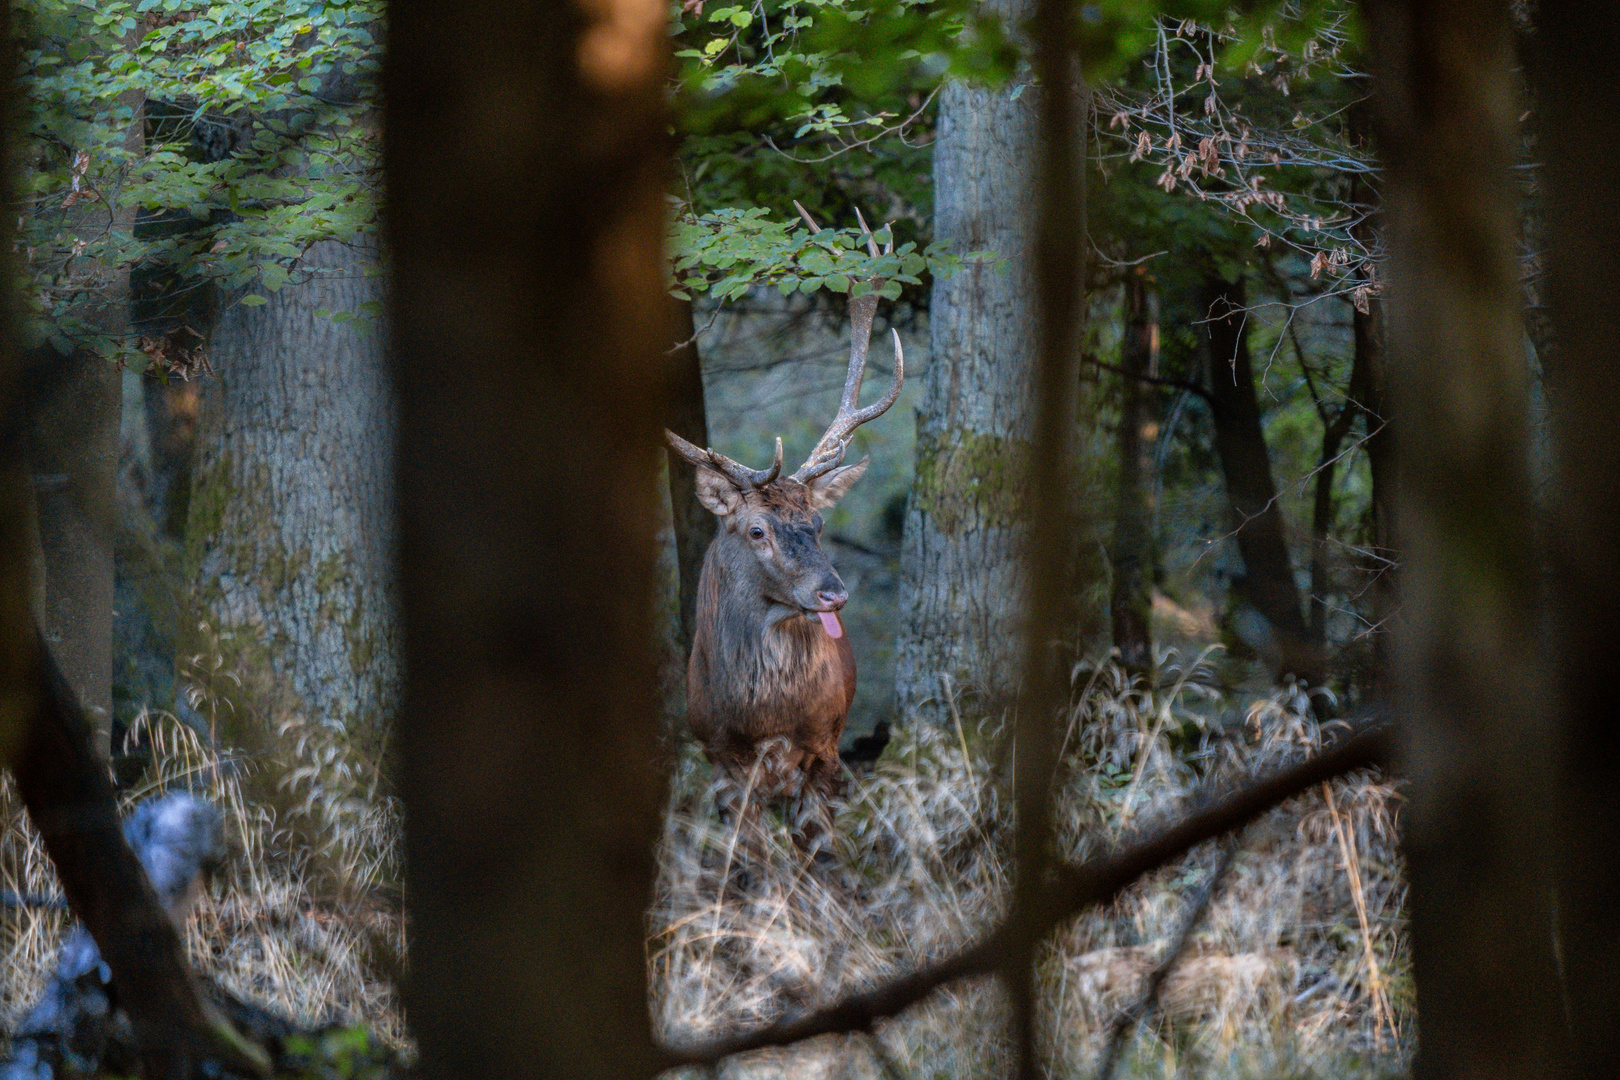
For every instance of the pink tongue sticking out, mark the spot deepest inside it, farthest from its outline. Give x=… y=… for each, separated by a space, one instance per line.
x=830 y=623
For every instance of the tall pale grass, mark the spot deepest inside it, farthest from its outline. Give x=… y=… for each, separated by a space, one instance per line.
x=1288 y=971
x=300 y=921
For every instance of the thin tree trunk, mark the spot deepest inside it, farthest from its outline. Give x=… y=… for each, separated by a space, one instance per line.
x=1477 y=724
x=73 y=453
x=962 y=586
x=1268 y=583
x=527 y=154
x=1379 y=446
x=1130 y=605
x=290 y=540
x=694 y=525
x=1580 y=124
x=1324 y=508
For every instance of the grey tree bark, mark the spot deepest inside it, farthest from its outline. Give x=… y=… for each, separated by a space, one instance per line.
x=1477 y=728
x=290 y=535
x=962 y=588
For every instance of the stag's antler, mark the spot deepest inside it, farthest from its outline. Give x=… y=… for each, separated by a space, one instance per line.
x=739 y=474
x=829 y=452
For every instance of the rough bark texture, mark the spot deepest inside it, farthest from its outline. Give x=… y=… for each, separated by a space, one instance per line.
x=291 y=528
x=1574 y=62
x=962 y=585
x=73 y=454
x=1130 y=605
x=527 y=154
x=1268 y=582
x=1477 y=732
x=694 y=525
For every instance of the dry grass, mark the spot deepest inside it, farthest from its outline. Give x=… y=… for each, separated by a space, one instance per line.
x=294 y=923
x=1289 y=973
x=1279 y=978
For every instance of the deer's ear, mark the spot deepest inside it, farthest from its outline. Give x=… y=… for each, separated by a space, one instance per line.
x=825 y=491
x=717 y=493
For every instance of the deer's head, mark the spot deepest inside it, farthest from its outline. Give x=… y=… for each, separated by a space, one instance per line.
x=778 y=518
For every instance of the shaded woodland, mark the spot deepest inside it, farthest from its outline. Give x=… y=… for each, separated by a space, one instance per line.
x=1215 y=682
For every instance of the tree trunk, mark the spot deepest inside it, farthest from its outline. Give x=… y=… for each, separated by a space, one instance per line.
x=1268 y=583
x=290 y=538
x=1573 y=71
x=1130 y=605
x=528 y=155
x=1324 y=508
x=1379 y=446
x=962 y=587
x=694 y=525
x=73 y=455
x=1477 y=730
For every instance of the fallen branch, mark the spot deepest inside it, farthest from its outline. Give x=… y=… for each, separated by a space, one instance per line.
x=1074 y=889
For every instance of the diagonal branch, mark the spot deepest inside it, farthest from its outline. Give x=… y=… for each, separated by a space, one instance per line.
x=1074 y=889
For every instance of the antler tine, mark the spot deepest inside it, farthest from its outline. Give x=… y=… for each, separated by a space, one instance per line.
x=829 y=452
x=736 y=472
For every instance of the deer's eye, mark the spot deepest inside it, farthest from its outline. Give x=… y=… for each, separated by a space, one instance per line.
x=757 y=533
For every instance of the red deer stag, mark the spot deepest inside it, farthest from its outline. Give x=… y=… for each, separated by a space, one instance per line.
x=772 y=675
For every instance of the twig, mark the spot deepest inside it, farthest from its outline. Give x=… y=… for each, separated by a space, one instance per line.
x=1097 y=881
x=1178 y=945
x=1186 y=387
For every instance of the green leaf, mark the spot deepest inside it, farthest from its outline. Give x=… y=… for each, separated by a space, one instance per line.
x=253 y=300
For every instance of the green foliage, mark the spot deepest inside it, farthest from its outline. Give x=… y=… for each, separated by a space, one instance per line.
x=728 y=252
x=213 y=140
x=343 y=1053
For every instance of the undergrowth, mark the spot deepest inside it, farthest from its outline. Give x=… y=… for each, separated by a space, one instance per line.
x=304 y=919
x=1298 y=968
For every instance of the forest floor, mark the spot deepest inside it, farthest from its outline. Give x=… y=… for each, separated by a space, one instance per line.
x=1298 y=968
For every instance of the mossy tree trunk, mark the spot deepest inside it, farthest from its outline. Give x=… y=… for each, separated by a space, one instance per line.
x=1477 y=724
x=290 y=536
x=962 y=587
x=73 y=456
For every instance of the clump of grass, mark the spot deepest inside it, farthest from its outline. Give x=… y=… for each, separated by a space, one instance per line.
x=301 y=921
x=1288 y=969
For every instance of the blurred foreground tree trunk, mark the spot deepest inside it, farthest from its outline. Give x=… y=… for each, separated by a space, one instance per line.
x=1477 y=720
x=290 y=536
x=962 y=587
x=527 y=155
x=1574 y=63
x=1131 y=605
x=1240 y=441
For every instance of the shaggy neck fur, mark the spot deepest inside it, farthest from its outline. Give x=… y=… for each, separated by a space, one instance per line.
x=767 y=648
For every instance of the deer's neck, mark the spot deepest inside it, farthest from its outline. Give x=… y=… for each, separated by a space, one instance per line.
x=765 y=646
